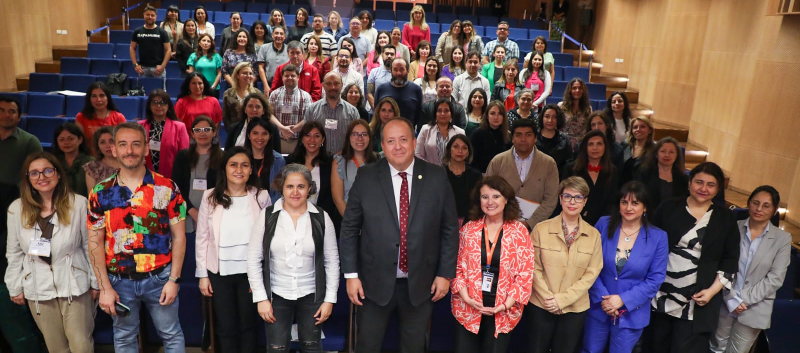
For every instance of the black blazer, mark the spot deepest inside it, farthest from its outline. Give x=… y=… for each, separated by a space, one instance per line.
x=274 y=136
x=182 y=176
x=486 y=144
x=458 y=116
x=720 y=251
x=558 y=148
x=650 y=178
x=371 y=231
x=325 y=198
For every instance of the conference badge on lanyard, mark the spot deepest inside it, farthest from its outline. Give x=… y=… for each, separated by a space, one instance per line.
x=488 y=277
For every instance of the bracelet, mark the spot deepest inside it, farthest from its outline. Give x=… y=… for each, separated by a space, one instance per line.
x=505 y=308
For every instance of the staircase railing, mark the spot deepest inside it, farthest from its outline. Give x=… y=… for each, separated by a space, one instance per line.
x=107 y=27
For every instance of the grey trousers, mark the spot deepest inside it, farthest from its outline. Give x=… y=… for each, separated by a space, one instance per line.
x=732 y=336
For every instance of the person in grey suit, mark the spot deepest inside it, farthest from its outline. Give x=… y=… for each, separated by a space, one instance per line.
x=399 y=241
x=764 y=252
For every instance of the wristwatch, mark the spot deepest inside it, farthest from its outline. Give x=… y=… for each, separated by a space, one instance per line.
x=176 y=280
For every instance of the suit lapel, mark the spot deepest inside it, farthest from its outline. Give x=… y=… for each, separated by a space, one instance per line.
x=765 y=248
x=416 y=188
x=637 y=251
x=385 y=179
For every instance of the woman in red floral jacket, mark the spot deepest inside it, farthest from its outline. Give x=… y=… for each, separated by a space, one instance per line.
x=492 y=282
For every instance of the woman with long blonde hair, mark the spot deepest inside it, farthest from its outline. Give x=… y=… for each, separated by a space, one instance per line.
x=416 y=30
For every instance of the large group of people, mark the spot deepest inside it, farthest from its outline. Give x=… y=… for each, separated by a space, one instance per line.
x=604 y=239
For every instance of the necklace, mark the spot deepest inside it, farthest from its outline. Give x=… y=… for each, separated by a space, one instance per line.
x=628 y=236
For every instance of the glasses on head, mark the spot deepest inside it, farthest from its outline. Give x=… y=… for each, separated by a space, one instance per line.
x=47 y=172
x=576 y=198
x=361 y=135
x=160 y=103
x=206 y=129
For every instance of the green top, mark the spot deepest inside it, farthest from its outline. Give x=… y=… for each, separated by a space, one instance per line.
x=206 y=67
x=76 y=175
x=471 y=127
x=15 y=149
x=488 y=72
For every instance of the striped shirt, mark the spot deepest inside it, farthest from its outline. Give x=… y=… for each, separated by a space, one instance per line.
x=329 y=45
x=289 y=107
x=335 y=120
x=512 y=49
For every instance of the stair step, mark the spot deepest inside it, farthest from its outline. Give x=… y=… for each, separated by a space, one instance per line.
x=632 y=94
x=69 y=52
x=48 y=66
x=22 y=82
x=663 y=130
x=638 y=109
x=586 y=53
x=611 y=81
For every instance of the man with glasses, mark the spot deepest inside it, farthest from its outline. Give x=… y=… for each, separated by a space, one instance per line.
x=349 y=76
x=15 y=143
x=137 y=244
x=289 y=106
x=512 y=49
x=307 y=75
x=532 y=174
x=382 y=74
x=333 y=112
x=363 y=45
x=328 y=40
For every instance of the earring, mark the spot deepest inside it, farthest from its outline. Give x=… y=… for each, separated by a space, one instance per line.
x=215 y=140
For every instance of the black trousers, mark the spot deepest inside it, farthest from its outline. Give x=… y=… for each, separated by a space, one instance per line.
x=236 y=315
x=287 y=312
x=484 y=341
x=561 y=333
x=669 y=334
x=413 y=322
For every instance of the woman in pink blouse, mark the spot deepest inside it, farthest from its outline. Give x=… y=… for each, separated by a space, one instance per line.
x=416 y=30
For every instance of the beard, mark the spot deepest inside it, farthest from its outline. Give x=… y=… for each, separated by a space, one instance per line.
x=399 y=81
x=134 y=165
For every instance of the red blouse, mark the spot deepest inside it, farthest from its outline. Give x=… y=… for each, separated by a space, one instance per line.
x=413 y=35
x=515 y=279
x=187 y=109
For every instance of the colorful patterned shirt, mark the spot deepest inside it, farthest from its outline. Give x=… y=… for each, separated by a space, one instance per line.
x=137 y=236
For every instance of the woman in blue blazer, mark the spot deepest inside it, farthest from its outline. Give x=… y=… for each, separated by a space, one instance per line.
x=634 y=266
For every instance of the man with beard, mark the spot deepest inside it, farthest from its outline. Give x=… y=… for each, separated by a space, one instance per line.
x=328 y=41
x=154 y=47
x=349 y=76
x=333 y=112
x=15 y=143
x=444 y=89
x=407 y=95
x=382 y=74
x=139 y=216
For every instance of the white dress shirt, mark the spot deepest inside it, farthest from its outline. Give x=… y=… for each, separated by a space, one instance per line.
x=291 y=257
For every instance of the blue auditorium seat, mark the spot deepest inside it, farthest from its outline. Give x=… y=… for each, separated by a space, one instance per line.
x=490 y=31
x=283 y=7
x=529 y=24
x=135 y=23
x=223 y=137
x=471 y=18
x=168 y=3
x=596 y=90
x=385 y=25
x=174 y=86
x=233 y=6
x=217 y=6
x=294 y=8
x=46 y=104
x=558 y=71
x=488 y=21
x=479 y=30
x=524 y=44
x=118 y=36
x=533 y=33
x=191 y=4
x=20 y=97
x=289 y=19
x=434 y=40
x=559 y=87
x=128 y=69
x=248 y=18
x=123 y=52
x=222 y=16
x=77 y=83
x=161 y=15
x=143 y=109
x=518 y=33
x=562 y=59
x=403 y=15
x=184 y=14
x=384 y=15
x=446 y=17
x=103 y=328
x=100 y=51
x=553 y=46
x=555 y=97
x=105 y=66
x=782 y=335
x=430 y=17
x=256 y=7
x=571 y=72
x=601 y=104
x=427 y=7
x=434 y=28
x=512 y=22
x=43 y=127
x=384 y=5
x=151 y=83
x=173 y=70
x=44 y=82
x=463 y=10
x=443 y=9
x=404 y=6
x=129 y=107
x=74 y=105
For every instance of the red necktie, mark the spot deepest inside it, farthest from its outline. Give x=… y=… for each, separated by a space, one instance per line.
x=404 y=223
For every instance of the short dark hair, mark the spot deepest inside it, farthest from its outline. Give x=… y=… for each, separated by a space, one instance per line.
x=446 y=158
x=149 y=8
x=773 y=193
x=471 y=54
x=523 y=123
x=638 y=191
x=449 y=103
x=74 y=130
x=290 y=68
x=389 y=46
x=510 y=212
x=10 y=99
x=711 y=169
x=130 y=125
x=560 y=119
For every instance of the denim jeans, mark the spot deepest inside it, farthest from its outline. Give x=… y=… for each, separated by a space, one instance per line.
x=286 y=312
x=165 y=318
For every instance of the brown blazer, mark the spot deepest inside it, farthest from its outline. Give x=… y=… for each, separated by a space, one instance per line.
x=565 y=274
x=540 y=185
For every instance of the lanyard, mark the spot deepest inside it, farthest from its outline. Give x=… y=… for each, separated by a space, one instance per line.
x=490 y=249
x=356 y=162
x=261 y=167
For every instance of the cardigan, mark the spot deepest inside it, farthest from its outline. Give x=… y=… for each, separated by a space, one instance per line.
x=540 y=185
x=639 y=279
x=173 y=139
x=720 y=251
x=487 y=71
x=565 y=273
x=514 y=281
x=209 y=220
x=427 y=148
x=182 y=176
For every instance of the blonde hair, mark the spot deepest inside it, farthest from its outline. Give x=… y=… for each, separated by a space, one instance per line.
x=376 y=124
x=631 y=140
x=239 y=67
x=335 y=13
x=31 y=199
x=576 y=183
x=422 y=25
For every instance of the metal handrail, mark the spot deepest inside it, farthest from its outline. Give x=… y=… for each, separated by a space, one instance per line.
x=581 y=46
x=107 y=27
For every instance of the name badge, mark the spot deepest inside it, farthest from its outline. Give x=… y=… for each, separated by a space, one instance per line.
x=39 y=247
x=488 y=278
x=535 y=87
x=331 y=124
x=200 y=184
x=155 y=145
x=287 y=109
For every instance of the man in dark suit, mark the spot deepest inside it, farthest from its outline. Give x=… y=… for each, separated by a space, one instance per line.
x=399 y=241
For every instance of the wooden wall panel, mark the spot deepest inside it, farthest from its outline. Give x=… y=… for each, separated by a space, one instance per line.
x=792 y=197
x=613 y=37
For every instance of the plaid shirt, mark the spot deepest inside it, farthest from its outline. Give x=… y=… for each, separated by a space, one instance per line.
x=137 y=236
x=342 y=114
x=289 y=108
x=512 y=49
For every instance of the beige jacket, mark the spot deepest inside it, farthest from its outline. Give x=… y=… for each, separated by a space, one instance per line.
x=565 y=274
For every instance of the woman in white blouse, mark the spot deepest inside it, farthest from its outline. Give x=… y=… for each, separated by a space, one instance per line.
x=433 y=137
x=293 y=262
x=228 y=213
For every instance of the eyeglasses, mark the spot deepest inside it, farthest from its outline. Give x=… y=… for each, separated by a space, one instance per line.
x=502 y=29
x=206 y=129
x=361 y=135
x=343 y=56
x=47 y=172
x=161 y=103
x=576 y=198
x=756 y=205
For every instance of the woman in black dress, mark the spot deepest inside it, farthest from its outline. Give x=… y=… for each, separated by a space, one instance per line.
x=593 y=164
x=550 y=139
x=492 y=137
x=662 y=172
x=462 y=177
